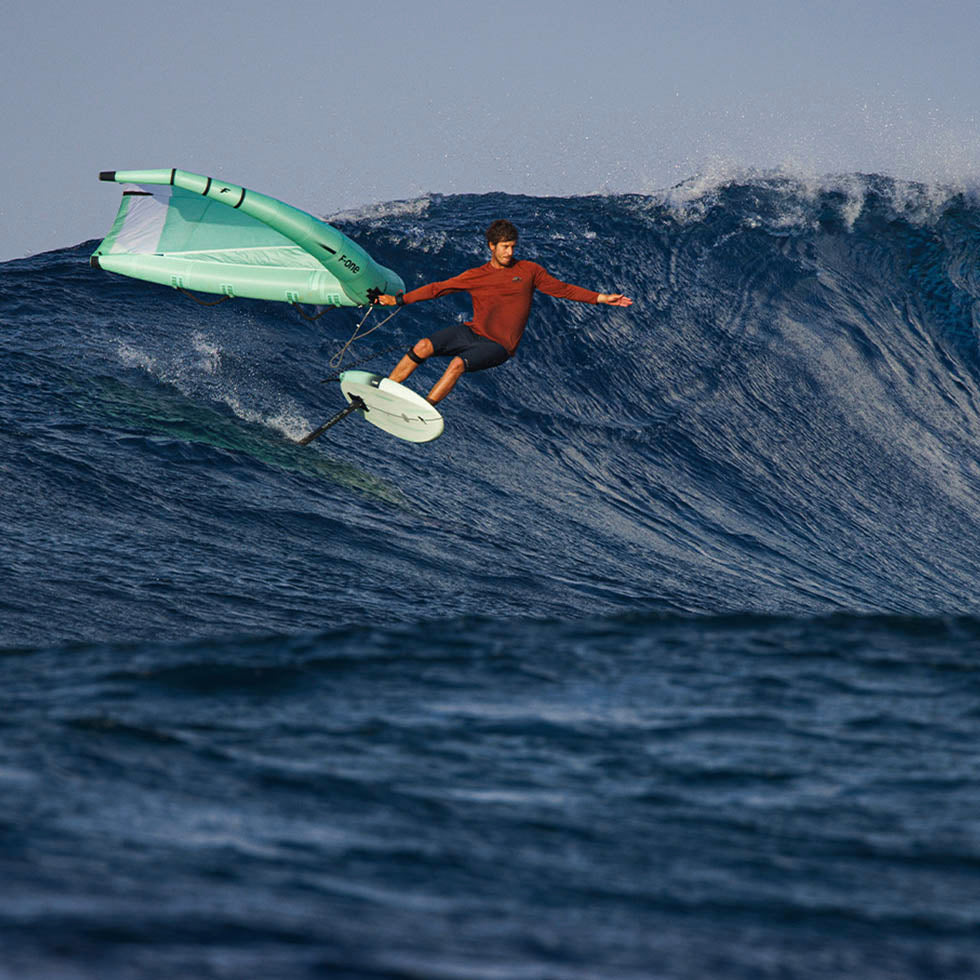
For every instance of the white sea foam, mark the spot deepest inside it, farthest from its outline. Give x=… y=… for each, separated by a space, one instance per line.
x=210 y=361
x=286 y=419
x=131 y=356
x=793 y=194
x=416 y=208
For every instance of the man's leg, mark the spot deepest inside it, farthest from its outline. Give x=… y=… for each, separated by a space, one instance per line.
x=408 y=364
x=446 y=383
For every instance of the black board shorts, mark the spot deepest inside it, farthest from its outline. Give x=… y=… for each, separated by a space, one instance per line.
x=478 y=353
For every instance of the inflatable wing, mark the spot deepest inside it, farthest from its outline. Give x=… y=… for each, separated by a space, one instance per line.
x=192 y=232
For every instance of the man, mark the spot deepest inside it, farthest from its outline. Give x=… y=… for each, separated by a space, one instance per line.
x=502 y=291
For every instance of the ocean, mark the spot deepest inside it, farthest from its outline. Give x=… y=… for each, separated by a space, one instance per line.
x=663 y=662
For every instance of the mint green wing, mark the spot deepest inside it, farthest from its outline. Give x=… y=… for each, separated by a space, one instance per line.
x=192 y=232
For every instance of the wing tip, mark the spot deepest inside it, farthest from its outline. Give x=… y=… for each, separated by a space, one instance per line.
x=107 y=175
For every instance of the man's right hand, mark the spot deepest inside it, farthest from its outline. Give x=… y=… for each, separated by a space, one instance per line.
x=385 y=300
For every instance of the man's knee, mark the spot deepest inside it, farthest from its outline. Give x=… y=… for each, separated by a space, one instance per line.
x=422 y=350
x=457 y=365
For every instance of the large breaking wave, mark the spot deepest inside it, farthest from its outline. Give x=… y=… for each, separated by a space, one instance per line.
x=786 y=421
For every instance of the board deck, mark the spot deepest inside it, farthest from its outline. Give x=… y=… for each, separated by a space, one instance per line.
x=391 y=406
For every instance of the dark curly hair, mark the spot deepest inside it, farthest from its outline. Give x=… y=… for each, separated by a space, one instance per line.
x=501 y=231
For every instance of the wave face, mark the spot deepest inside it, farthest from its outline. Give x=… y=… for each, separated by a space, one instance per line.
x=646 y=666
x=785 y=422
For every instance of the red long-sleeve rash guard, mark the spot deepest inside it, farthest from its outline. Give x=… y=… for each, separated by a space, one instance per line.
x=502 y=297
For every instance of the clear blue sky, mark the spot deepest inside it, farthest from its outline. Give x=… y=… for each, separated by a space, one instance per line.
x=332 y=105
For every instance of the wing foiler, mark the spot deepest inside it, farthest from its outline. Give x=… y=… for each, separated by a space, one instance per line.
x=197 y=233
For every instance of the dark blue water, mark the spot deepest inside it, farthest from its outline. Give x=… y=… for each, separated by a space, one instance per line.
x=662 y=662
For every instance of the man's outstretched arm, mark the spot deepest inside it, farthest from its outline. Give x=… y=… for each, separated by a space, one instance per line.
x=547 y=283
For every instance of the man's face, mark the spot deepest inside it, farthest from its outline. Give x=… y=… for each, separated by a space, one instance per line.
x=502 y=254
